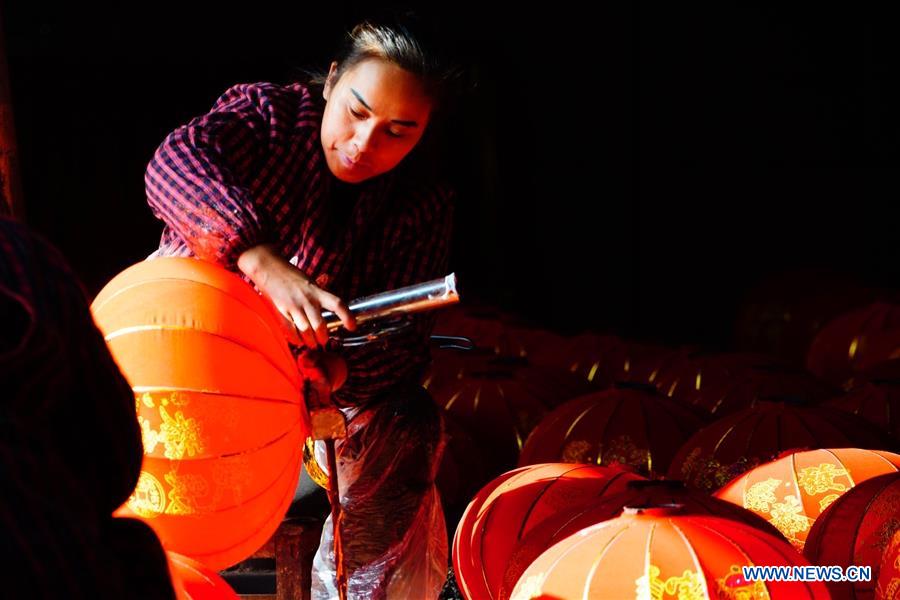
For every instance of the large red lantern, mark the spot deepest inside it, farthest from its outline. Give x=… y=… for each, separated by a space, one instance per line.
x=856 y=341
x=738 y=442
x=501 y=404
x=508 y=508
x=856 y=530
x=792 y=491
x=657 y=553
x=631 y=424
x=193 y=580
x=218 y=399
x=637 y=493
x=888 y=585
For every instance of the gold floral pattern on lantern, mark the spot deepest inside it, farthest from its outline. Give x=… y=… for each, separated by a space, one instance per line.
x=149 y=436
x=827 y=500
x=885 y=533
x=761 y=495
x=180 y=435
x=146 y=399
x=821 y=479
x=622 y=450
x=576 y=451
x=889 y=587
x=745 y=590
x=787 y=517
x=148 y=499
x=690 y=585
x=177 y=398
x=892 y=590
x=709 y=473
x=232 y=477
x=184 y=492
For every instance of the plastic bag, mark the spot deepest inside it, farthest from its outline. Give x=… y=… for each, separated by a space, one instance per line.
x=392 y=524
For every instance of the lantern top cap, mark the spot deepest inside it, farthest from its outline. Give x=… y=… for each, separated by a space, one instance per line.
x=653 y=510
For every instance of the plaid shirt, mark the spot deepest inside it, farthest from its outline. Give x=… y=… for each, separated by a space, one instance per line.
x=253 y=171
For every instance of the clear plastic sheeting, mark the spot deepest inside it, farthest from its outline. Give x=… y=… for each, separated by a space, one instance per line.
x=392 y=525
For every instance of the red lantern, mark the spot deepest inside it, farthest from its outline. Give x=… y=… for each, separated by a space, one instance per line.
x=218 y=399
x=745 y=387
x=782 y=315
x=875 y=401
x=888 y=585
x=739 y=442
x=489 y=328
x=500 y=405
x=887 y=371
x=462 y=470
x=697 y=372
x=657 y=553
x=637 y=493
x=193 y=580
x=591 y=356
x=792 y=491
x=855 y=341
x=512 y=505
x=856 y=530
x=652 y=364
x=632 y=424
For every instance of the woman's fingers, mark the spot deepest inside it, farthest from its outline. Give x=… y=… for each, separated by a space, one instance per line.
x=290 y=329
x=317 y=323
x=337 y=306
x=304 y=328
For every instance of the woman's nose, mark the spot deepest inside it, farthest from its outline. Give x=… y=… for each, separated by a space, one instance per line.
x=363 y=141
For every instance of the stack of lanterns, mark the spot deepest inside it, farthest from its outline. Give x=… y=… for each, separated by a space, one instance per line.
x=751 y=461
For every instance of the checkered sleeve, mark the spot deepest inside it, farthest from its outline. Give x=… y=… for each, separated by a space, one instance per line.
x=198 y=181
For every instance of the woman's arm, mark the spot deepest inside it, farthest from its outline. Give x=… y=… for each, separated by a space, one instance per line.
x=200 y=184
x=293 y=294
x=198 y=181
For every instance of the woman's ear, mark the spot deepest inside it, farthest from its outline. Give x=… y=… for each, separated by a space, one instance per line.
x=329 y=81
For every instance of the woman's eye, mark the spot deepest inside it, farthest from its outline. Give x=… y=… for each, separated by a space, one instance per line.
x=358 y=115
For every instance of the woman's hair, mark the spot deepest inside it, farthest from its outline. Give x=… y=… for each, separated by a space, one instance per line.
x=421 y=49
x=408 y=43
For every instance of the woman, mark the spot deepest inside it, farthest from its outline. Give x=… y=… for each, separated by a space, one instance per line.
x=304 y=189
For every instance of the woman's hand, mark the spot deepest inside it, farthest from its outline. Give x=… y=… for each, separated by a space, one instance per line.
x=293 y=294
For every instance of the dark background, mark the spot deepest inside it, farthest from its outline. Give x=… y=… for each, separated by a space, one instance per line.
x=636 y=170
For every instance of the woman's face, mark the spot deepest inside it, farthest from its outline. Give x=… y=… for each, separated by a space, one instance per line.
x=375 y=114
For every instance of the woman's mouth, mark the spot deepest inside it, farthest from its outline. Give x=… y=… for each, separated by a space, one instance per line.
x=348 y=164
